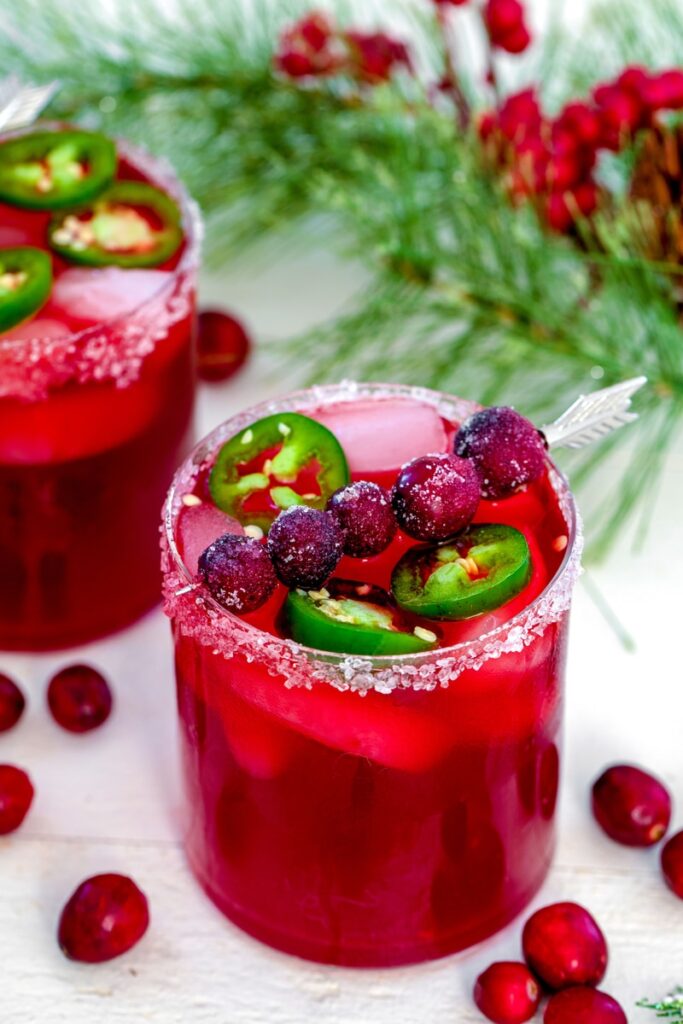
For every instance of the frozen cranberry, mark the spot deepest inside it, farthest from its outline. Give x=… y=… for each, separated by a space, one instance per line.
x=16 y=796
x=237 y=572
x=564 y=946
x=672 y=863
x=435 y=496
x=79 y=698
x=305 y=545
x=505 y=447
x=581 y=1005
x=364 y=512
x=12 y=703
x=507 y=993
x=105 y=917
x=631 y=806
x=223 y=345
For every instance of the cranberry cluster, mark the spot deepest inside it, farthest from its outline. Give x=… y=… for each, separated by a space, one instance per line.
x=315 y=47
x=553 y=159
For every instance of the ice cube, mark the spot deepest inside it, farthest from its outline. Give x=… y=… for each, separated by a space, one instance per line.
x=34 y=330
x=198 y=527
x=86 y=296
x=379 y=435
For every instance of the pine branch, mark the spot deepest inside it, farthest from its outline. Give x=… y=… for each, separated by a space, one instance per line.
x=670 y=1008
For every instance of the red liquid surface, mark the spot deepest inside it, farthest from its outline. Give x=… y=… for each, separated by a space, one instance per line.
x=83 y=473
x=381 y=829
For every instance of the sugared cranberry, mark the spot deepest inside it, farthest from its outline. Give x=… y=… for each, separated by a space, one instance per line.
x=672 y=863
x=16 y=796
x=305 y=545
x=237 y=572
x=12 y=703
x=506 y=448
x=507 y=993
x=79 y=698
x=223 y=345
x=364 y=512
x=581 y=1005
x=435 y=496
x=631 y=806
x=564 y=946
x=105 y=917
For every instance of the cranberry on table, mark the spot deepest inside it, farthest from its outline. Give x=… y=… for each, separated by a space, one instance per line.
x=238 y=572
x=306 y=546
x=631 y=806
x=223 y=345
x=16 y=797
x=507 y=993
x=506 y=448
x=582 y=1005
x=12 y=703
x=79 y=698
x=563 y=946
x=364 y=512
x=435 y=496
x=105 y=917
x=672 y=863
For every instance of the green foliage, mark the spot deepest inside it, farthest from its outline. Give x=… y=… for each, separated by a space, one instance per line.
x=465 y=293
x=670 y=1008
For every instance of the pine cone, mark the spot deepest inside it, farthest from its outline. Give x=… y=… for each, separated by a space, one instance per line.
x=657 y=193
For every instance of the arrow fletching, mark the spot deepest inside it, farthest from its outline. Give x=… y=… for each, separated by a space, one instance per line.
x=594 y=416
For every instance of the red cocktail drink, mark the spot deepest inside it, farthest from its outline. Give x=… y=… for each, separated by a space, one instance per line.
x=371 y=810
x=96 y=379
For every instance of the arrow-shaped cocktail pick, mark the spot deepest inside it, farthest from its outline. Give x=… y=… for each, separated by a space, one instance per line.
x=21 y=104
x=594 y=416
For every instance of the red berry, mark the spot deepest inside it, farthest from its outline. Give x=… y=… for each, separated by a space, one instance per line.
x=105 y=917
x=672 y=863
x=364 y=512
x=486 y=125
x=502 y=17
x=664 y=91
x=580 y=122
x=435 y=496
x=564 y=946
x=305 y=545
x=564 y=208
x=631 y=806
x=621 y=113
x=581 y=1005
x=308 y=48
x=12 y=703
x=237 y=572
x=223 y=345
x=521 y=116
x=507 y=993
x=16 y=796
x=374 y=55
x=515 y=42
x=79 y=698
x=507 y=449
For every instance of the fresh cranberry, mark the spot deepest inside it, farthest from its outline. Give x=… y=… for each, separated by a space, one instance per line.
x=12 y=703
x=308 y=47
x=506 y=448
x=580 y=1005
x=435 y=496
x=16 y=796
x=515 y=42
x=672 y=863
x=631 y=806
x=580 y=122
x=564 y=208
x=79 y=698
x=237 y=572
x=507 y=993
x=105 y=917
x=374 y=55
x=223 y=345
x=364 y=512
x=503 y=17
x=564 y=946
x=521 y=116
x=664 y=91
x=305 y=546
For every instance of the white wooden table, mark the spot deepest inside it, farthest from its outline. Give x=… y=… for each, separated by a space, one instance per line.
x=110 y=801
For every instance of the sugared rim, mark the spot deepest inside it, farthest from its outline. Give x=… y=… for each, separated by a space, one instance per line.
x=50 y=350
x=383 y=672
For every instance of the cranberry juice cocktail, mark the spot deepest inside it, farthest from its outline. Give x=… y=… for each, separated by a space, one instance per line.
x=98 y=252
x=370 y=642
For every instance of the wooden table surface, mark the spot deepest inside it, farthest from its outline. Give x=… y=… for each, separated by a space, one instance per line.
x=110 y=801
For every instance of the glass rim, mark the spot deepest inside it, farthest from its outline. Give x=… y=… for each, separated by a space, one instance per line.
x=316 y=397
x=161 y=174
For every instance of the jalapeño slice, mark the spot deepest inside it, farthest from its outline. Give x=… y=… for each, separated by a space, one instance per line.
x=52 y=169
x=479 y=570
x=257 y=472
x=349 y=617
x=25 y=283
x=131 y=224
